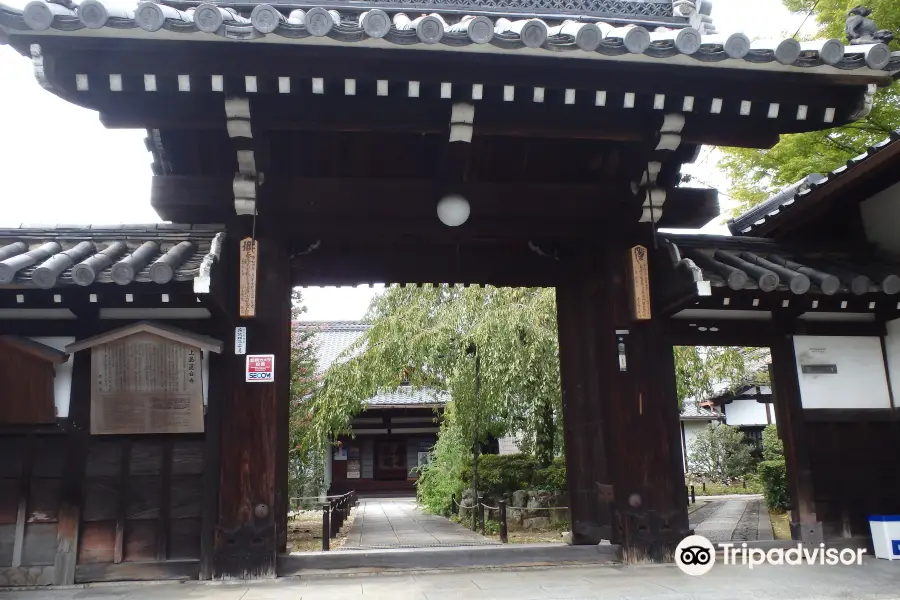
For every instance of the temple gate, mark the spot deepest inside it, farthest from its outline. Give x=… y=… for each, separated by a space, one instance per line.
x=549 y=136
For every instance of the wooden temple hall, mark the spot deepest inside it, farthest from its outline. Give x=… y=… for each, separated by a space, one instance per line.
x=508 y=142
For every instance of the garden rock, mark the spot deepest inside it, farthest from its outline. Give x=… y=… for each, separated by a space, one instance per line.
x=537 y=524
x=520 y=498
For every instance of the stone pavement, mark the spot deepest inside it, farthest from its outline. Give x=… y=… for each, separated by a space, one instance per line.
x=874 y=580
x=741 y=519
x=398 y=523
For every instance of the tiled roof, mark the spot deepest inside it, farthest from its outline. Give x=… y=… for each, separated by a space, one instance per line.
x=747 y=392
x=408 y=396
x=802 y=191
x=485 y=28
x=332 y=338
x=64 y=255
x=757 y=264
x=692 y=411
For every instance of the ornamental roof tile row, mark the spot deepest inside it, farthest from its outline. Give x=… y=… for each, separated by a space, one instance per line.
x=740 y=263
x=482 y=30
x=47 y=257
x=802 y=191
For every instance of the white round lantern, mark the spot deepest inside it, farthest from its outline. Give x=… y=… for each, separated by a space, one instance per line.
x=453 y=210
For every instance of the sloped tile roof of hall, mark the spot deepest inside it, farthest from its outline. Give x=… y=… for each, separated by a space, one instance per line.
x=333 y=338
x=780 y=205
x=691 y=411
x=50 y=256
x=688 y=34
x=745 y=263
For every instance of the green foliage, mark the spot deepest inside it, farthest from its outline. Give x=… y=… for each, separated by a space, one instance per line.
x=757 y=174
x=773 y=448
x=720 y=453
x=442 y=477
x=552 y=478
x=700 y=369
x=502 y=473
x=773 y=475
x=306 y=450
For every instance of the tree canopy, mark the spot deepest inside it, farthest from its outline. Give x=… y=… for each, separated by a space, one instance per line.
x=305 y=450
x=757 y=174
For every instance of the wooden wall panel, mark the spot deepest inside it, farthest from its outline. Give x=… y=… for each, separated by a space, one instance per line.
x=98 y=541
x=104 y=459
x=9 y=500
x=43 y=503
x=49 y=457
x=146 y=459
x=7 y=538
x=12 y=452
x=39 y=547
x=142 y=497
x=27 y=384
x=101 y=496
x=184 y=539
x=187 y=458
x=853 y=465
x=185 y=498
x=140 y=540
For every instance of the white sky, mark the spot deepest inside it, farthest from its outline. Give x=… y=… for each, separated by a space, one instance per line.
x=61 y=165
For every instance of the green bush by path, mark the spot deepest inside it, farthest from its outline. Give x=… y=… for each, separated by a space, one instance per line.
x=773 y=475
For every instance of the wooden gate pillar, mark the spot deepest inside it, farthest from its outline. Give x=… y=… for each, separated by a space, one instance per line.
x=253 y=418
x=620 y=413
x=791 y=429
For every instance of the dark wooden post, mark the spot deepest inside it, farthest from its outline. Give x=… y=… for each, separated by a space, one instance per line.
x=504 y=532
x=620 y=412
x=252 y=487
x=693 y=496
x=326 y=528
x=789 y=414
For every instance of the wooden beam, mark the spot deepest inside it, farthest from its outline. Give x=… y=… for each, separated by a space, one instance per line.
x=408 y=205
x=421 y=116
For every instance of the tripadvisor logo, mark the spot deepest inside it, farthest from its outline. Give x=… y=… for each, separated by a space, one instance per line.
x=696 y=555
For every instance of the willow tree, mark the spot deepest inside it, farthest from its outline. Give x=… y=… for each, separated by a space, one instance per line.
x=306 y=458
x=433 y=337
x=757 y=174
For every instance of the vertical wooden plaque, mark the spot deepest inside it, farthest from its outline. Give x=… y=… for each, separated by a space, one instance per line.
x=248 y=257
x=639 y=283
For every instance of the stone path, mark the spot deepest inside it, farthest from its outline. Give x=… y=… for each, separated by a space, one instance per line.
x=875 y=579
x=398 y=523
x=734 y=519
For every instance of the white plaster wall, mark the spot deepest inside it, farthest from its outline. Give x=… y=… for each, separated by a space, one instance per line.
x=747 y=412
x=881 y=217
x=508 y=445
x=892 y=349
x=691 y=429
x=860 y=380
x=62 y=382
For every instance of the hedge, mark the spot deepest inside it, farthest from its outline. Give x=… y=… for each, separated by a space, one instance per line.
x=502 y=474
x=773 y=476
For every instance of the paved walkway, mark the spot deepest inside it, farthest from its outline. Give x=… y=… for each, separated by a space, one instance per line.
x=398 y=523
x=875 y=579
x=740 y=519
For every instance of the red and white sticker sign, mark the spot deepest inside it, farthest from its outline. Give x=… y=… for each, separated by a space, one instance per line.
x=260 y=368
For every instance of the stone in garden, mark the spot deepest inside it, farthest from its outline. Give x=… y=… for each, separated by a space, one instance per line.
x=537 y=524
x=520 y=498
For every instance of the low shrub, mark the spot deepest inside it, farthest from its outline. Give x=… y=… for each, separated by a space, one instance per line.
x=552 y=478
x=773 y=475
x=499 y=474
